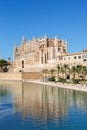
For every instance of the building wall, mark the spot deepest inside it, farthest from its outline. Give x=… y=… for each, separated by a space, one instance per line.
x=38 y=52
x=11 y=76
x=73 y=59
x=20 y=76
x=31 y=75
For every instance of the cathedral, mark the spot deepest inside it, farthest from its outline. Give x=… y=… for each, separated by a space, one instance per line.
x=38 y=53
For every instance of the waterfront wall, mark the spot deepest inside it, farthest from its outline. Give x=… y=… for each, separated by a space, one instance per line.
x=31 y=75
x=20 y=76
x=10 y=76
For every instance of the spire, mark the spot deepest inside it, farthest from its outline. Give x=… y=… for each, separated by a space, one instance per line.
x=14 y=44
x=15 y=47
x=33 y=38
x=45 y=36
x=38 y=38
x=23 y=40
x=65 y=41
x=56 y=38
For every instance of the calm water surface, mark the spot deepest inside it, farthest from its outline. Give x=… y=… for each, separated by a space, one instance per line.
x=25 y=106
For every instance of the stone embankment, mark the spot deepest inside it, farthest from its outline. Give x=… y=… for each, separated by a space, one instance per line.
x=10 y=76
x=20 y=76
x=34 y=77
x=79 y=87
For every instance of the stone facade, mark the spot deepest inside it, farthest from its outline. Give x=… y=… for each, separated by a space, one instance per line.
x=73 y=59
x=11 y=76
x=31 y=75
x=38 y=53
x=19 y=76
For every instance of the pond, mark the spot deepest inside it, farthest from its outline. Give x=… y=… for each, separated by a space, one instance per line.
x=27 y=106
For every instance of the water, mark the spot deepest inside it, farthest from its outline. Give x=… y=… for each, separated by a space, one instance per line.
x=25 y=106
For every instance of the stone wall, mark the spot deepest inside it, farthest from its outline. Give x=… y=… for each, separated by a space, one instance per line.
x=10 y=76
x=31 y=75
x=20 y=76
x=37 y=52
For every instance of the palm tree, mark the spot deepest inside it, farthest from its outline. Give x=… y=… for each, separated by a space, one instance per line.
x=62 y=71
x=52 y=72
x=45 y=71
x=84 y=70
x=73 y=71
x=58 y=70
x=79 y=69
x=65 y=68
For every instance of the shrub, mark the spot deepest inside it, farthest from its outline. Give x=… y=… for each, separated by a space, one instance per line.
x=77 y=81
x=52 y=78
x=62 y=80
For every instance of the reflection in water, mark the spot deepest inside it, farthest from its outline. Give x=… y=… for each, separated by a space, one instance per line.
x=40 y=102
x=43 y=102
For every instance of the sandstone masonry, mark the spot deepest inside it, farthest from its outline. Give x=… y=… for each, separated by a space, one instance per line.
x=34 y=55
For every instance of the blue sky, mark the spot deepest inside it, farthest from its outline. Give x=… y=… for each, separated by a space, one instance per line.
x=65 y=18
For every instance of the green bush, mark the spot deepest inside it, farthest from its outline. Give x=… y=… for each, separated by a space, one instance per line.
x=52 y=78
x=77 y=81
x=62 y=80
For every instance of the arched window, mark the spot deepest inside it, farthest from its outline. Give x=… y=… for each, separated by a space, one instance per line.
x=42 y=57
x=45 y=59
x=22 y=63
x=53 y=53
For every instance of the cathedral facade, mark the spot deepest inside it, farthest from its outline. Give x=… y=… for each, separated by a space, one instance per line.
x=38 y=53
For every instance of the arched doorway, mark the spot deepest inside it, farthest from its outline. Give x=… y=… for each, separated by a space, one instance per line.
x=68 y=77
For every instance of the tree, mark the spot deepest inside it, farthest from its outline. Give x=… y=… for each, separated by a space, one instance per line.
x=52 y=72
x=62 y=71
x=65 y=68
x=73 y=71
x=58 y=70
x=84 y=70
x=45 y=71
x=79 y=69
x=3 y=63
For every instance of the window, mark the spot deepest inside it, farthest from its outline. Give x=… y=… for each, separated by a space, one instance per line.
x=41 y=59
x=68 y=58
x=22 y=63
x=53 y=53
x=47 y=44
x=75 y=57
x=64 y=51
x=59 y=49
x=45 y=59
x=60 y=58
x=47 y=56
x=79 y=57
